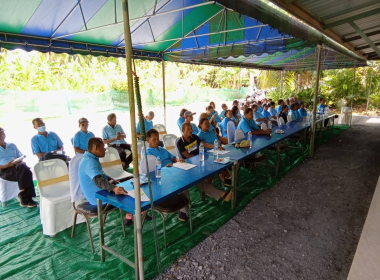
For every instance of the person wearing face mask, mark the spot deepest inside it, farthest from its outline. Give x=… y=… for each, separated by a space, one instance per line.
x=80 y=139
x=14 y=169
x=46 y=144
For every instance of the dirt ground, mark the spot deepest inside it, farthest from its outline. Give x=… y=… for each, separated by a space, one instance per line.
x=305 y=227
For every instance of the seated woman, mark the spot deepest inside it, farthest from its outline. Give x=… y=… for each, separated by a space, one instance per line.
x=188 y=146
x=284 y=113
x=167 y=160
x=302 y=110
x=181 y=118
x=212 y=116
x=222 y=114
x=214 y=112
x=223 y=124
x=236 y=116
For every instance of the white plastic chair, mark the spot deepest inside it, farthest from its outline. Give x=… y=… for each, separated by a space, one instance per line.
x=140 y=146
x=231 y=132
x=289 y=118
x=281 y=121
x=75 y=190
x=151 y=164
x=56 y=211
x=8 y=190
x=264 y=126
x=161 y=130
x=239 y=135
x=170 y=143
x=176 y=149
x=112 y=166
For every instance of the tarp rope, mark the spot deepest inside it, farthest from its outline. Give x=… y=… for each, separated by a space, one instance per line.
x=143 y=138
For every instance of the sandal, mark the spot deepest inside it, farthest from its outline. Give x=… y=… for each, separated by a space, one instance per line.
x=227 y=196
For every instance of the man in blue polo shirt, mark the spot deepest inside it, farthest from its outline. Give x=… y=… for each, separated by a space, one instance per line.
x=46 y=144
x=113 y=136
x=322 y=107
x=80 y=139
x=293 y=112
x=148 y=121
x=257 y=116
x=16 y=171
x=247 y=124
x=91 y=175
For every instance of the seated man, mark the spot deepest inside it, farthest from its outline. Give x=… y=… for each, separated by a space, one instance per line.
x=293 y=113
x=222 y=114
x=259 y=107
x=91 y=176
x=258 y=117
x=167 y=160
x=188 y=146
x=46 y=145
x=16 y=171
x=113 y=136
x=148 y=121
x=280 y=104
x=272 y=110
x=188 y=119
x=80 y=139
x=247 y=124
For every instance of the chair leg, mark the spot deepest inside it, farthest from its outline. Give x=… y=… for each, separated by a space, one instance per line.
x=122 y=221
x=105 y=218
x=143 y=218
x=89 y=234
x=74 y=224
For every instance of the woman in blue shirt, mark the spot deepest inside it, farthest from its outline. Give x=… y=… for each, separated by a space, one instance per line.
x=302 y=110
x=223 y=125
x=181 y=119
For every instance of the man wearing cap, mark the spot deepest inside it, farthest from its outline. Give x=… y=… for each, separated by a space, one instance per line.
x=46 y=144
x=188 y=119
x=81 y=137
x=113 y=136
x=16 y=171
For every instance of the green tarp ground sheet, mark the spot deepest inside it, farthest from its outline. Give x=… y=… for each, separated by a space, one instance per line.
x=25 y=253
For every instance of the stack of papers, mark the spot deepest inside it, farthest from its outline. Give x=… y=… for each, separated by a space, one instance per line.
x=143 y=196
x=219 y=152
x=184 y=165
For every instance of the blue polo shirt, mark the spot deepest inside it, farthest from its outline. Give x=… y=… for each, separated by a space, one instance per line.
x=164 y=155
x=148 y=125
x=273 y=112
x=109 y=133
x=9 y=153
x=217 y=119
x=298 y=115
x=208 y=137
x=180 y=122
x=222 y=114
x=279 y=108
x=266 y=114
x=259 y=109
x=80 y=139
x=293 y=115
x=90 y=167
x=322 y=108
x=258 y=115
x=247 y=125
x=223 y=126
x=195 y=128
x=302 y=112
x=42 y=144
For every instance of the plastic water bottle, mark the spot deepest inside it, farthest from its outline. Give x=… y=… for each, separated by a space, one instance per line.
x=249 y=138
x=158 y=167
x=270 y=124
x=216 y=148
x=201 y=152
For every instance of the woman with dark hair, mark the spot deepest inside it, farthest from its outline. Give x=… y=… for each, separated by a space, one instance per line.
x=209 y=136
x=284 y=113
x=235 y=115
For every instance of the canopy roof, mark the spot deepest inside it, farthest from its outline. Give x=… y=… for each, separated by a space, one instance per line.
x=190 y=31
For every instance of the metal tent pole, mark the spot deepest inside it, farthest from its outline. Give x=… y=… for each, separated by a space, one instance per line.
x=353 y=91
x=163 y=89
x=281 y=82
x=369 y=91
x=136 y=179
x=314 y=123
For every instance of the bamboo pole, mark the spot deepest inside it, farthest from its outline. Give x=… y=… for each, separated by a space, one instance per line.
x=316 y=90
x=163 y=89
x=369 y=91
x=136 y=179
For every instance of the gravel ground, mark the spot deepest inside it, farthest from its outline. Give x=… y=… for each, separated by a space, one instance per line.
x=305 y=227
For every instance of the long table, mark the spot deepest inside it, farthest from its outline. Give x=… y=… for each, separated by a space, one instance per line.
x=174 y=180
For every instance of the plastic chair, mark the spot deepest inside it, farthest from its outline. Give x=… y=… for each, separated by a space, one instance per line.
x=264 y=126
x=281 y=121
x=289 y=118
x=239 y=135
x=8 y=190
x=140 y=146
x=151 y=164
x=231 y=132
x=112 y=166
x=176 y=149
x=81 y=207
x=170 y=143
x=161 y=130
x=55 y=203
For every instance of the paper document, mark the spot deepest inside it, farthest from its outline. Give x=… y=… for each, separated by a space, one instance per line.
x=183 y=165
x=222 y=160
x=144 y=197
x=19 y=159
x=219 y=152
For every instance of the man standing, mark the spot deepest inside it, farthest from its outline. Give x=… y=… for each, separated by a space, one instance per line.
x=46 y=144
x=113 y=136
x=16 y=171
x=80 y=139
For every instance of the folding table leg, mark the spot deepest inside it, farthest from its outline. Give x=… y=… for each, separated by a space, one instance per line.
x=234 y=183
x=136 y=255
x=101 y=233
x=122 y=221
x=278 y=146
